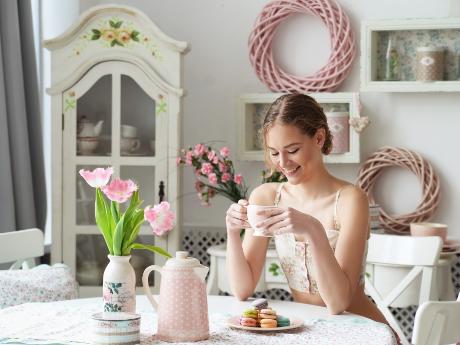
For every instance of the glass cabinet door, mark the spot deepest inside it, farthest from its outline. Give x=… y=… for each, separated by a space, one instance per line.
x=93 y=115
x=114 y=116
x=137 y=128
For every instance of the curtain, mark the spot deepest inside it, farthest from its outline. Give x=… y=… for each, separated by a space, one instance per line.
x=22 y=175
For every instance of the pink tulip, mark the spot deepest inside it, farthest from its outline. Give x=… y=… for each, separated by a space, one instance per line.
x=225 y=151
x=160 y=217
x=119 y=190
x=238 y=179
x=99 y=177
x=212 y=178
x=207 y=169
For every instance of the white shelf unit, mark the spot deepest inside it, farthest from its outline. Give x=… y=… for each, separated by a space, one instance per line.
x=252 y=110
x=409 y=34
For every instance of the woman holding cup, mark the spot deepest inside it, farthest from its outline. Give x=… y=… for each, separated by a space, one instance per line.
x=320 y=223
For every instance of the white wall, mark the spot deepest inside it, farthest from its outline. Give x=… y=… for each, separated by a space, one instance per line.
x=217 y=71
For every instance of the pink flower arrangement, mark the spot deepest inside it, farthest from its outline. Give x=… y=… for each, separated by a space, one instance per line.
x=214 y=173
x=120 y=229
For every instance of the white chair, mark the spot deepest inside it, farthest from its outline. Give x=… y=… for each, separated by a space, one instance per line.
x=21 y=248
x=401 y=271
x=40 y=284
x=437 y=323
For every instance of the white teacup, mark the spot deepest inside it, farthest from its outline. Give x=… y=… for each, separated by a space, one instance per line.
x=254 y=218
x=129 y=145
x=128 y=131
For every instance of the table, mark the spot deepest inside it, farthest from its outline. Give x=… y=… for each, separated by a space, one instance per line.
x=68 y=322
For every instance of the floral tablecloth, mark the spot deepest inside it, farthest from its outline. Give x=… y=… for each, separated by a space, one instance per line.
x=69 y=322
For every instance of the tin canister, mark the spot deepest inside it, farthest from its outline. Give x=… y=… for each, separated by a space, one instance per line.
x=430 y=63
x=340 y=129
x=116 y=328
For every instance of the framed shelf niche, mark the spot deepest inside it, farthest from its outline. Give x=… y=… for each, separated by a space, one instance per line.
x=407 y=35
x=252 y=110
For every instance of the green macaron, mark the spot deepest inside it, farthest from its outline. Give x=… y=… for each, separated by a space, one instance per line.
x=250 y=313
x=282 y=321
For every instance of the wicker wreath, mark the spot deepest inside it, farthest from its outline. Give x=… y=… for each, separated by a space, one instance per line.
x=331 y=75
x=389 y=157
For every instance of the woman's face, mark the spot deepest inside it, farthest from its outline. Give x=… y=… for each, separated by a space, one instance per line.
x=293 y=153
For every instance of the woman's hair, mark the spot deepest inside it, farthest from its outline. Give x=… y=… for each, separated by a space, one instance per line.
x=301 y=111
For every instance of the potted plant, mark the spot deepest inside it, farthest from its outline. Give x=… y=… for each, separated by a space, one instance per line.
x=120 y=229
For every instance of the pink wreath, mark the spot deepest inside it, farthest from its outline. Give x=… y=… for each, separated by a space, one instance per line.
x=330 y=76
x=387 y=157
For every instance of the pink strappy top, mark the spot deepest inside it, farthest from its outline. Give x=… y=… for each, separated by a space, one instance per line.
x=296 y=258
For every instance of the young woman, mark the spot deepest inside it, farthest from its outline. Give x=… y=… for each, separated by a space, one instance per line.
x=321 y=224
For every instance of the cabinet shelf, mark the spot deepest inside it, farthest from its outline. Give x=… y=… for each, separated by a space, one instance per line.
x=252 y=110
x=406 y=36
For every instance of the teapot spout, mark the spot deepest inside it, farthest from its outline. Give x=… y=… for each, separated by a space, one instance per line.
x=201 y=271
x=98 y=127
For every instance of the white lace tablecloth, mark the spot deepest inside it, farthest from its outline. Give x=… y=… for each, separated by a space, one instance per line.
x=69 y=322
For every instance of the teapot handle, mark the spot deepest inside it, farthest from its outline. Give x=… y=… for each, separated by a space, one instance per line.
x=145 y=284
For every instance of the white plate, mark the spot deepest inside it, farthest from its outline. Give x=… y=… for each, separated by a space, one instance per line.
x=234 y=322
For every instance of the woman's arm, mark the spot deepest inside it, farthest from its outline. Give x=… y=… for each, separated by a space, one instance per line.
x=245 y=259
x=338 y=274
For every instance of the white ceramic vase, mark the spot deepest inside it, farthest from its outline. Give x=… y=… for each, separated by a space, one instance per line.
x=119 y=285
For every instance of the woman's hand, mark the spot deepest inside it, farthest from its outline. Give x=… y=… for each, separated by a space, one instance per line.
x=287 y=220
x=237 y=218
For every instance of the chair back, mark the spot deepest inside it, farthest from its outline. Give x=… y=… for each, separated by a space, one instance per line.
x=401 y=272
x=21 y=247
x=437 y=323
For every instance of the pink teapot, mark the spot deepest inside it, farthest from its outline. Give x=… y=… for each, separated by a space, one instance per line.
x=183 y=306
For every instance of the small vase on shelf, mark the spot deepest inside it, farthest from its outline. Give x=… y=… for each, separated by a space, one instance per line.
x=119 y=285
x=392 y=62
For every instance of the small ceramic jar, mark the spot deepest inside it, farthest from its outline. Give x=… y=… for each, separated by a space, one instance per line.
x=340 y=130
x=430 y=63
x=116 y=328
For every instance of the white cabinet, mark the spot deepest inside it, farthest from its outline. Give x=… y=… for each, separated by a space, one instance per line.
x=272 y=276
x=116 y=101
x=252 y=110
x=406 y=37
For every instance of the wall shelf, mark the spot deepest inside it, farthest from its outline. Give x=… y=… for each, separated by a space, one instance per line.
x=252 y=109
x=407 y=35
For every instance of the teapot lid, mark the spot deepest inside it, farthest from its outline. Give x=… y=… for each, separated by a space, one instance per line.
x=182 y=260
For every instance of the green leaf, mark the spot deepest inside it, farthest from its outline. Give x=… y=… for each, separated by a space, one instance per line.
x=95 y=37
x=118 y=24
x=116 y=42
x=118 y=237
x=112 y=24
x=131 y=234
x=115 y=209
x=134 y=35
x=103 y=220
x=96 y=32
x=154 y=249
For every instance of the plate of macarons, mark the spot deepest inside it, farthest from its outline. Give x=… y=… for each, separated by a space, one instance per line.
x=260 y=317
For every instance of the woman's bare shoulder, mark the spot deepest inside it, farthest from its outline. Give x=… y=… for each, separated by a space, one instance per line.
x=353 y=195
x=264 y=194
